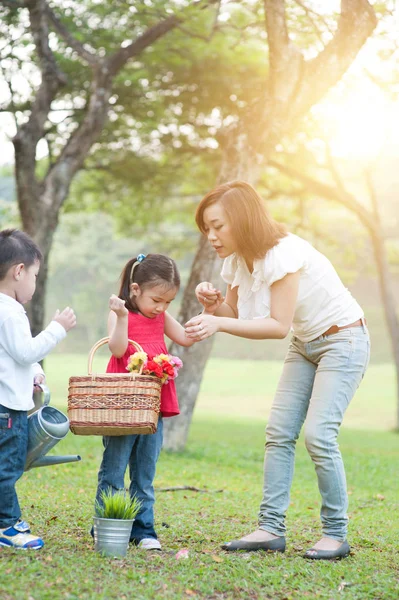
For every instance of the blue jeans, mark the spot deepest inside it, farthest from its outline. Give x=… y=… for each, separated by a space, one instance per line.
x=13 y=451
x=140 y=453
x=319 y=380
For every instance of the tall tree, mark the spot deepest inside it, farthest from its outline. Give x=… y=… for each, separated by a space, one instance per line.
x=293 y=84
x=54 y=34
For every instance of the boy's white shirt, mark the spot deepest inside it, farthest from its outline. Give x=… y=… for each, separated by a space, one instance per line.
x=20 y=353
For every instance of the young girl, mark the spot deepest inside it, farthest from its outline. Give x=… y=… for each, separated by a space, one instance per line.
x=148 y=286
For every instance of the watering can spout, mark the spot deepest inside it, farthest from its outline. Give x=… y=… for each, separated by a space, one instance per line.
x=46 y=461
x=46 y=427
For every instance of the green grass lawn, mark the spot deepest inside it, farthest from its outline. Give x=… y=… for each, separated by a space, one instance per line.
x=225 y=458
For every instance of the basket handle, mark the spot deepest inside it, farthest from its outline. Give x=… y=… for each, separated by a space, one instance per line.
x=100 y=343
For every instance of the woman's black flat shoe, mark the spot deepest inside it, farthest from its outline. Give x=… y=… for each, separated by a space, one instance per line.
x=342 y=552
x=276 y=545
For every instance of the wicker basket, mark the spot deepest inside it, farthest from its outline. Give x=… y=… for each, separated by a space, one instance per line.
x=113 y=403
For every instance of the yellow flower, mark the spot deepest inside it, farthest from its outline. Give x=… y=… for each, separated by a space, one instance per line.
x=159 y=358
x=136 y=360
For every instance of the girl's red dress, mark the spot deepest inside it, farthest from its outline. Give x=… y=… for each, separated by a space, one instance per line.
x=149 y=333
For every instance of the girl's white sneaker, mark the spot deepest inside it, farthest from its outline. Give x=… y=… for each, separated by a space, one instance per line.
x=149 y=544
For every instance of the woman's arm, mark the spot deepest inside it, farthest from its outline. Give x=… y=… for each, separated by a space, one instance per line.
x=117 y=326
x=176 y=332
x=282 y=308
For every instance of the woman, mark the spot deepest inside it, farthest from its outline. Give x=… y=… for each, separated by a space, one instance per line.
x=277 y=282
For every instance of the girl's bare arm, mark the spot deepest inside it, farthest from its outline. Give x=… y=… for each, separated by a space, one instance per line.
x=176 y=332
x=117 y=326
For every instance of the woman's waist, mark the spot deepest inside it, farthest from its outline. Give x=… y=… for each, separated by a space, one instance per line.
x=329 y=325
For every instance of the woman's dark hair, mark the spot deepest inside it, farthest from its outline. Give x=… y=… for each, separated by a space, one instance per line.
x=17 y=247
x=154 y=269
x=254 y=230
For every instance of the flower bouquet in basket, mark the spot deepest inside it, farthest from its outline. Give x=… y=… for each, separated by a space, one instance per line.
x=118 y=403
x=164 y=366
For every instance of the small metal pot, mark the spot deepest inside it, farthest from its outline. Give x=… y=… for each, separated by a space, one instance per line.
x=111 y=536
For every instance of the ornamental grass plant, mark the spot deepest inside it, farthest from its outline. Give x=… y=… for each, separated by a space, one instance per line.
x=118 y=505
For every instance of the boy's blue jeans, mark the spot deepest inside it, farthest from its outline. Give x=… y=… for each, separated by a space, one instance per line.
x=140 y=453
x=13 y=451
x=318 y=381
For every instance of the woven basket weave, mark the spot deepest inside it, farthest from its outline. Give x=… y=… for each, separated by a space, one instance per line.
x=113 y=403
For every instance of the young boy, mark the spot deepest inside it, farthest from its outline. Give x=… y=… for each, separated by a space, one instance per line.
x=19 y=353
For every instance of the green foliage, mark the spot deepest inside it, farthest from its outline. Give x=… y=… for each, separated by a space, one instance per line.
x=117 y=505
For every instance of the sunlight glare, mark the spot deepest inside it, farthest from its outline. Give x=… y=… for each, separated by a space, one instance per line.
x=360 y=126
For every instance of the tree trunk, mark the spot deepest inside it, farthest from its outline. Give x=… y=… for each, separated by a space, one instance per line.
x=195 y=357
x=239 y=163
x=43 y=235
x=389 y=305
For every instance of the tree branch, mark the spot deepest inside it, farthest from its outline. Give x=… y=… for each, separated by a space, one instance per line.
x=214 y=28
x=309 y=13
x=13 y=4
x=356 y=22
x=181 y=488
x=284 y=57
x=28 y=134
x=117 y=60
x=329 y=192
x=72 y=42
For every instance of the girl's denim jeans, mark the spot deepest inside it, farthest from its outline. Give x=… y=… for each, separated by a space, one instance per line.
x=319 y=380
x=13 y=451
x=140 y=453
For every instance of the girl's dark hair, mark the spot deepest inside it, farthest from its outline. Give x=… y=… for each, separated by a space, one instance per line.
x=17 y=247
x=254 y=230
x=154 y=269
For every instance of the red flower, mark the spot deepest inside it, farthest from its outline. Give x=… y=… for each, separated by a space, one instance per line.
x=169 y=370
x=153 y=368
x=164 y=368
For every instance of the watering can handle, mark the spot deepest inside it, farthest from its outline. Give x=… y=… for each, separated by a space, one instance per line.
x=103 y=341
x=46 y=393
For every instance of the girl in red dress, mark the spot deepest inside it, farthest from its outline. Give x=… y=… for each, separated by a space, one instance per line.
x=148 y=285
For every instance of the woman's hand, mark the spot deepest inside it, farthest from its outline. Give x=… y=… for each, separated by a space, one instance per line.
x=118 y=306
x=209 y=297
x=201 y=327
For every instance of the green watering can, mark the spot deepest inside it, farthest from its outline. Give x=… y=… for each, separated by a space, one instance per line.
x=46 y=427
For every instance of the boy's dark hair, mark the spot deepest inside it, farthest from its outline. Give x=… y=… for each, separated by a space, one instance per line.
x=154 y=269
x=17 y=247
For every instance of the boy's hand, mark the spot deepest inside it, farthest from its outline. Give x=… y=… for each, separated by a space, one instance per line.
x=118 y=306
x=37 y=380
x=66 y=318
x=209 y=297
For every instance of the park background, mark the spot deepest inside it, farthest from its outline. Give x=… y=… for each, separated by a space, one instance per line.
x=331 y=175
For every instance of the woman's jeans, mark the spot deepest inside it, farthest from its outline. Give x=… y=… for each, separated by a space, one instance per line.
x=319 y=380
x=140 y=453
x=13 y=451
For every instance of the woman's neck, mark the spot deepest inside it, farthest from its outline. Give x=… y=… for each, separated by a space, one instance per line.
x=250 y=264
